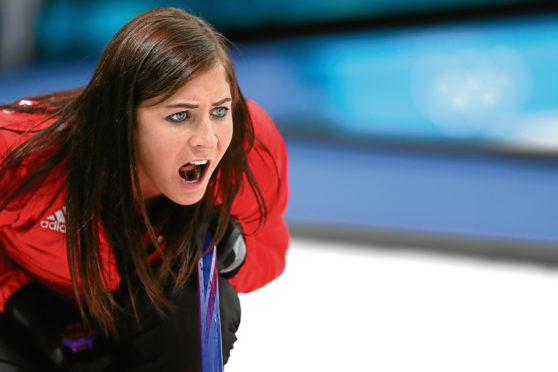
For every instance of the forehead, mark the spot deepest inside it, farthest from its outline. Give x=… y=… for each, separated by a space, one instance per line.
x=209 y=84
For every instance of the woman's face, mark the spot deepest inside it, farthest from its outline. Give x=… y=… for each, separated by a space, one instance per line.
x=181 y=140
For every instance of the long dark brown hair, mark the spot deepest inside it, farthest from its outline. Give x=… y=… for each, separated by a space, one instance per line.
x=92 y=136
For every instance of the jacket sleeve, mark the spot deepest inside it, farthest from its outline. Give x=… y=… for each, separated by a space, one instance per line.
x=266 y=245
x=11 y=277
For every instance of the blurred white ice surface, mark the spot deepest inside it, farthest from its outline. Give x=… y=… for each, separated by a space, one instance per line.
x=341 y=307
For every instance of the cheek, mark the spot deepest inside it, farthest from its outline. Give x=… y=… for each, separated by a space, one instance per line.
x=145 y=147
x=225 y=137
x=153 y=151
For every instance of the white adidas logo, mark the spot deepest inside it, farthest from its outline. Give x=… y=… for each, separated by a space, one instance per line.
x=56 y=221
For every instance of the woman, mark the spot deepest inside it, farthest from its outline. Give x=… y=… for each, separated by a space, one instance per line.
x=107 y=194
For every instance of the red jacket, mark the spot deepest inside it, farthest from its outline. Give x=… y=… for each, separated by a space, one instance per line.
x=32 y=236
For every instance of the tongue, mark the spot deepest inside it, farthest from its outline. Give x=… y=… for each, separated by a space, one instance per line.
x=190 y=173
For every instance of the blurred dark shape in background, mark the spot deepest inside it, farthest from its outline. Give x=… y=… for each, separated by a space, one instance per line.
x=17 y=31
x=429 y=123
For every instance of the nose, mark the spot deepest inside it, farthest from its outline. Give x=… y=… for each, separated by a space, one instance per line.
x=204 y=135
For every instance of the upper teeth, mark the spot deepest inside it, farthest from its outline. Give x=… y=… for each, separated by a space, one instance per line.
x=202 y=162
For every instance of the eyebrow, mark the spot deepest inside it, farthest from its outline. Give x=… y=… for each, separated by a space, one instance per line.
x=191 y=106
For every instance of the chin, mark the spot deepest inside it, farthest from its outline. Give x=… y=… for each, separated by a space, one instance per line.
x=186 y=201
x=189 y=199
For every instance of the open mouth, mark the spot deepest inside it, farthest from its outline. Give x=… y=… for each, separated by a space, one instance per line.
x=193 y=171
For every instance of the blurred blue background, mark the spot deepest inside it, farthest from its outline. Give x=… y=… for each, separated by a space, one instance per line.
x=431 y=122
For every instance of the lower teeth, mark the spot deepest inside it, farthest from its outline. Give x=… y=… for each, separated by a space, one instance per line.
x=193 y=175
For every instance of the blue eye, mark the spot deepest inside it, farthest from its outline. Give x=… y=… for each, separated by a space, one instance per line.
x=220 y=112
x=178 y=117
